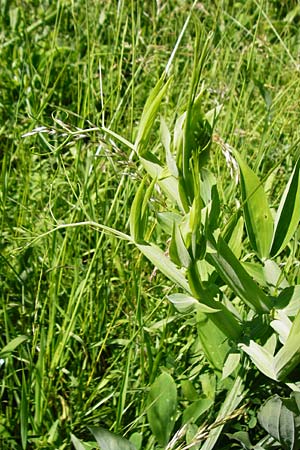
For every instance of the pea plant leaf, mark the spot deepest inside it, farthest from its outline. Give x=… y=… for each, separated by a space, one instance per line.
x=162 y=404
x=281 y=419
x=288 y=357
x=236 y=277
x=288 y=213
x=110 y=441
x=149 y=114
x=258 y=217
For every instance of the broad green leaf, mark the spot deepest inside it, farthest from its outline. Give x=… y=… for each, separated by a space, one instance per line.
x=110 y=441
x=149 y=114
x=164 y=264
x=262 y=358
x=12 y=345
x=288 y=213
x=231 y=363
x=214 y=342
x=186 y=304
x=281 y=419
x=258 y=217
x=288 y=356
x=196 y=409
x=223 y=319
x=233 y=273
x=162 y=404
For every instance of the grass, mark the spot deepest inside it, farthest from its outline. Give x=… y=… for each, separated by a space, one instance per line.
x=98 y=326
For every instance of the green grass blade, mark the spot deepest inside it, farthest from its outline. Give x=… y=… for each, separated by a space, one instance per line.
x=258 y=217
x=288 y=214
x=24 y=412
x=11 y=346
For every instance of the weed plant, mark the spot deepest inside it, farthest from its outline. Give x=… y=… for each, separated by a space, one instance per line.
x=86 y=327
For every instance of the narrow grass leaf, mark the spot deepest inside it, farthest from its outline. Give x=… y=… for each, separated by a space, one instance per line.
x=12 y=345
x=162 y=401
x=233 y=398
x=110 y=441
x=24 y=412
x=258 y=217
x=288 y=213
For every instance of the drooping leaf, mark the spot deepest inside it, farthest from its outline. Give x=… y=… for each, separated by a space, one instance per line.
x=288 y=213
x=110 y=441
x=162 y=404
x=258 y=217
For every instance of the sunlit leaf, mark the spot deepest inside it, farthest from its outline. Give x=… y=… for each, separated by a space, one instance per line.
x=288 y=357
x=288 y=213
x=149 y=114
x=258 y=217
x=262 y=358
x=234 y=274
x=164 y=264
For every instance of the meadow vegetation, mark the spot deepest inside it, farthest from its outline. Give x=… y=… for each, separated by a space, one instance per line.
x=128 y=256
